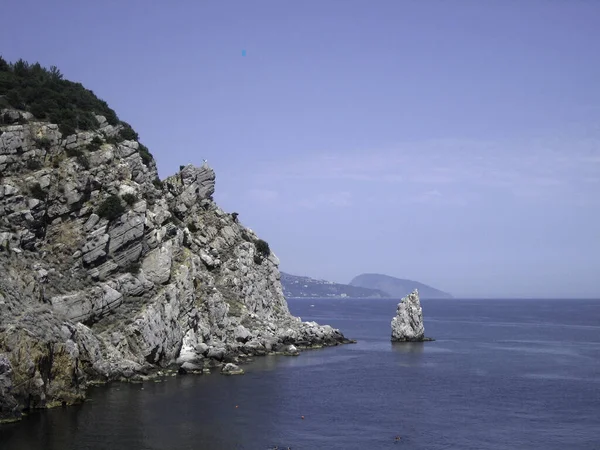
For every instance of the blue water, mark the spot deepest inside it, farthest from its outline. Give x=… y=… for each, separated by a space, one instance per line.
x=502 y=374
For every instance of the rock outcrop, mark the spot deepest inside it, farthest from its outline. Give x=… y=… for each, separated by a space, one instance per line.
x=407 y=325
x=108 y=273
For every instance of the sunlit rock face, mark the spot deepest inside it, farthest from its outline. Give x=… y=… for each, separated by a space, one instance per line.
x=108 y=273
x=407 y=325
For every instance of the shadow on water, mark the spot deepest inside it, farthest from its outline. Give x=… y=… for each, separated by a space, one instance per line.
x=408 y=347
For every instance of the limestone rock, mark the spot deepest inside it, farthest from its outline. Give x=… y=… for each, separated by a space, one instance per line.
x=407 y=326
x=232 y=369
x=86 y=296
x=8 y=404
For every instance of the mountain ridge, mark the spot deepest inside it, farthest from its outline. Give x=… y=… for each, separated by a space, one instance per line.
x=397 y=287
x=297 y=286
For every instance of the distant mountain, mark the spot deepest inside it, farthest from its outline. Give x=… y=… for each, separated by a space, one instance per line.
x=396 y=287
x=296 y=286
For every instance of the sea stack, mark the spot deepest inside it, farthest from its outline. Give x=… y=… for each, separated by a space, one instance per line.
x=407 y=326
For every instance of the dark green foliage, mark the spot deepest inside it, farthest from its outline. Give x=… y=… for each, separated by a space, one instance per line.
x=130 y=199
x=73 y=152
x=181 y=168
x=134 y=268
x=157 y=183
x=234 y=216
x=36 y=191
x=48 y=96
x=192 y=227
x=262 y=247
x=34 y=164
x=147 y=157
x=114 y=140
x=83 y=161
x=95 y=144
x=128 y=133
x=111 y=208
x=44 y=143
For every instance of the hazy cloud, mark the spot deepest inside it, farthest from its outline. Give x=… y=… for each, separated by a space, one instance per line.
x=533 y=169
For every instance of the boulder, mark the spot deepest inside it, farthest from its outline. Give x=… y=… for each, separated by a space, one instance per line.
x=231 y=369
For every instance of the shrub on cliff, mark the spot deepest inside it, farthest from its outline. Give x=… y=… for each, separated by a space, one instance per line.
x=111 y=208
x=128 y=133
x=145 y=154
x=44 y=93
x=262 y=247
x=130 y=199
x=37 y=191
x=48 y=96
x=34 y=164
x=44 y=143
x=95 y=144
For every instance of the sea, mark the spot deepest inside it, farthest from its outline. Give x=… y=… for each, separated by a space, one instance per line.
x=501 y=374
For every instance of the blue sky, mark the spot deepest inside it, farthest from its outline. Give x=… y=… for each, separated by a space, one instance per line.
x=456 y=143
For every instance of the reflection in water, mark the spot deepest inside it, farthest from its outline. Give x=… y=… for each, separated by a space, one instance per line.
x=408 y=347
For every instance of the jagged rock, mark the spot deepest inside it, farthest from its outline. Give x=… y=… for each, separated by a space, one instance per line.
x=188 y=367
x=242 y=334
x=232 y=369
x=85 y=298
x=407 y=326
x=291 y=350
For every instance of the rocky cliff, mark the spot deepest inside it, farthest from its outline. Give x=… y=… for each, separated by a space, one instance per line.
x=108 y=273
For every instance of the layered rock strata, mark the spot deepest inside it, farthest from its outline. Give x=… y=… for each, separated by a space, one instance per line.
x=108 y=273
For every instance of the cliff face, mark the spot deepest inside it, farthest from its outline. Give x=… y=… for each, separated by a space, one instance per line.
x=107 y=273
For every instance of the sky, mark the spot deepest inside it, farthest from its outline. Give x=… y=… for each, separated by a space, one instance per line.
x=455 y=143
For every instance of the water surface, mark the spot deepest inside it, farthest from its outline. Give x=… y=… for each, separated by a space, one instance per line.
x=502 y=374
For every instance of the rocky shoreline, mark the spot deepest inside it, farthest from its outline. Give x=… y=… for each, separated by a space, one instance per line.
x=109 y=273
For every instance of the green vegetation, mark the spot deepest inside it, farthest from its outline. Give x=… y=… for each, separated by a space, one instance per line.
x=45 y=94
x=44 y=143
x=130 y=199
x=145 y=154
x=262 y=247
x=73 y=152
x=36 y=191
x=95 y=144
x=80 y=156
x=83 y=161
x=34 y=164
x=128 y=133
x=192 y=227
x=111 y=208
